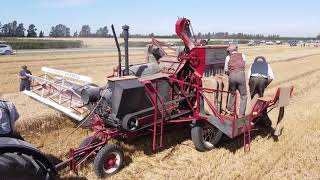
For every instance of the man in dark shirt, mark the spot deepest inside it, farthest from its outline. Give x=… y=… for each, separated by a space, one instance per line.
x=261 y=75
x=25 y=78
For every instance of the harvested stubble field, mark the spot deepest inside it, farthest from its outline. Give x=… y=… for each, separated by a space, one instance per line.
x=295 y=156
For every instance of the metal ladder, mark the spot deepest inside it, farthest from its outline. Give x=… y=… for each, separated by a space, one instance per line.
x=155 y=96
x=246 y=134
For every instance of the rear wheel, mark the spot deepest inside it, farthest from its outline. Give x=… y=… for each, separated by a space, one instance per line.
x=205 y=137
x=108 y=161
x=16 y=166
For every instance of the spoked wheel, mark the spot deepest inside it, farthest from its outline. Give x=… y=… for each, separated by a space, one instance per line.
x=205 y=137
x=108 y=161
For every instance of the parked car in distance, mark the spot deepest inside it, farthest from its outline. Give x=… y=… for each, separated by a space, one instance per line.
x=293 y=42
x=269 y=43
x=5 y=49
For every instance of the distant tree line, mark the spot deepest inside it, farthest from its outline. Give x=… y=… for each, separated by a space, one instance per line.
x=61 y=30
x=13 y=29
x=226 y=35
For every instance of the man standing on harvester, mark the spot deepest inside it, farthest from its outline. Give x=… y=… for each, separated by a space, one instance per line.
x=235 y=64
x=260 y=76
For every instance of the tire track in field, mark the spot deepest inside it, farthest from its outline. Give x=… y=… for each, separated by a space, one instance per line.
x=73 y=64
x=299 y=76
x=294 y=58
x=299 y=132
x=289 y=59
x=65 y=58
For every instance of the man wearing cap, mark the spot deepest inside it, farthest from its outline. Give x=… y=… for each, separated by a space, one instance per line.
x=260 y=76
x=235 y=64
x=25 y=78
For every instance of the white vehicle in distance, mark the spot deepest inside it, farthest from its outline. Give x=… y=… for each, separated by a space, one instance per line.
x=269 y=43
x=5 y=49
x=278 y=42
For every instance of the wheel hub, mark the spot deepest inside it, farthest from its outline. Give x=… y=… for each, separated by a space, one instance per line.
x=110 y=161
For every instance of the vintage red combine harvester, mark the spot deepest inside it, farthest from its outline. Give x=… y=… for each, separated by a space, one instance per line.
x=145 y=98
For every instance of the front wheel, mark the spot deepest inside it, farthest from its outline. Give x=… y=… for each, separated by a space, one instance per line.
x=108 y=161
x=205 y=137
x=7 y=52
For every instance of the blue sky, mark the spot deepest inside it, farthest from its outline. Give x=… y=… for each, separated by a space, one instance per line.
x=284 y=17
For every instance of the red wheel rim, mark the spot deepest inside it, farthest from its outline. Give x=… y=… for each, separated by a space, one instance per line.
x=110 y=161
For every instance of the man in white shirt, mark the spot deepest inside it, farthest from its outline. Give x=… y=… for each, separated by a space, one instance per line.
x=235 y=64
x=260 y=76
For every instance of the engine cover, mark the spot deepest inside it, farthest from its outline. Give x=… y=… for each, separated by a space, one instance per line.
x=128 y=96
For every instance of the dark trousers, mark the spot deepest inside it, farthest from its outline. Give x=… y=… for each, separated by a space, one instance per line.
x=12 y=134
x=237 y=81
x=257 y=85
x=25 y=85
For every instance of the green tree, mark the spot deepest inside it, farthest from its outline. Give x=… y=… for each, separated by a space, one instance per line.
x=68 y=32
x=199 y=35
x=20 y=30
x=102 y=32
x=151 y=35
x=32 y=31
x=318 y=37
x=85 y=31
x=14 y=28
x=5 y=30
x=41 y=34
x=60 y=30
x=75 y=34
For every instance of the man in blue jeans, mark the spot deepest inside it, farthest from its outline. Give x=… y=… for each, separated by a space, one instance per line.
x=25 y=78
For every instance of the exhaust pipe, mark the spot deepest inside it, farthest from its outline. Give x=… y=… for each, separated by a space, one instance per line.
x=119 y=51
x=126 y=47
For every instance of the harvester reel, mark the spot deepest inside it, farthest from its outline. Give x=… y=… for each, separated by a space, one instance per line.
x=205 y=137
x=108 y=161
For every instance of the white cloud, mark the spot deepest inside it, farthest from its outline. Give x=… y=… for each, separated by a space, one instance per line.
x=66 y=3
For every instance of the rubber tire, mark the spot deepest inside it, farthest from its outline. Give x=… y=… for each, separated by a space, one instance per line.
x=7 y=52
x=15 y=166
x=99 y=160
x=264 y=122
x=86 y=142
x=198 y=141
